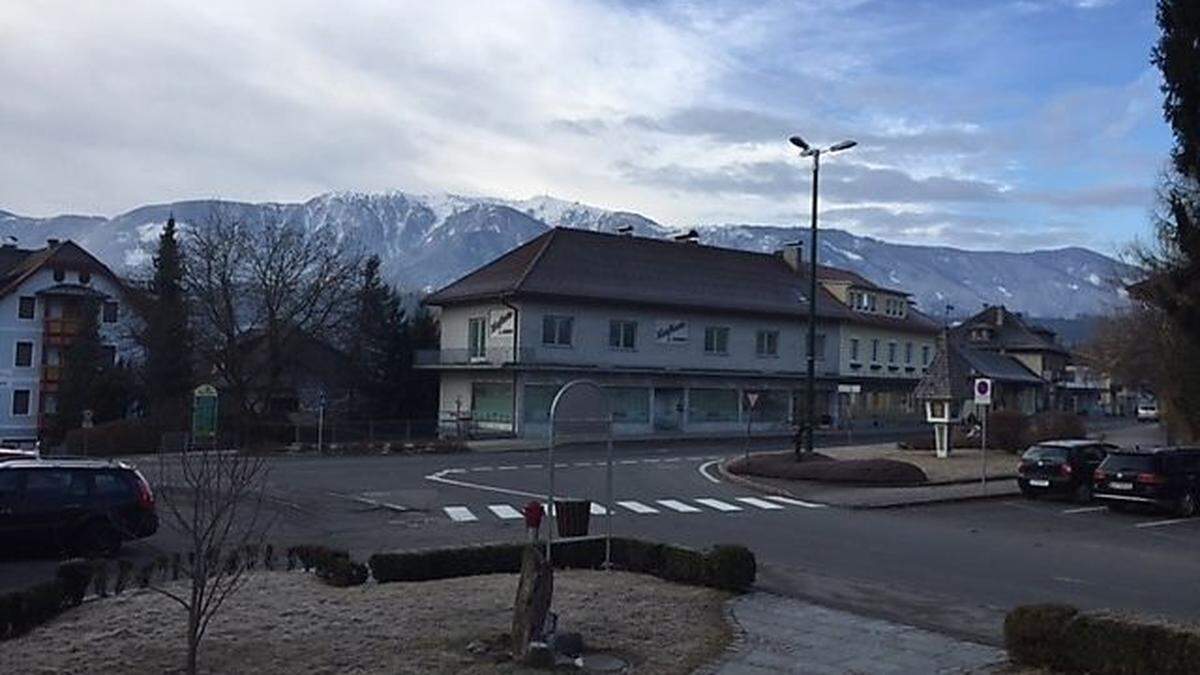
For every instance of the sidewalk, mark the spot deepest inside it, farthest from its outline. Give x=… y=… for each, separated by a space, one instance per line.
x=783 y=635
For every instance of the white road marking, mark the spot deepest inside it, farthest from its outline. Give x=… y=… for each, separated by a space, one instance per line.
x=507 y=468
x=704 y=471
x=533 y=466
x=672 y=459
x=1084 y=509
x=796 y=502
x=1070 y=580
x=1172 y=521
x=440 y=477
x=652 y=461
x=629 y=461
x=760 y=503
x=370 y=502
x=717 y=504
x=638 y=507
x=482 y=468
x=584 y=464
x=460 y=514
x=504 y=511
x=676 y=505
x=598 y=509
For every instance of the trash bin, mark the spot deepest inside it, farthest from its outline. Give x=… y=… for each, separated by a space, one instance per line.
x=572 y=516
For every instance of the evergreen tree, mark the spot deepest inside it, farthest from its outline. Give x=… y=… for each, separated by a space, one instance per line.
x=91 y=379
x=168 y=335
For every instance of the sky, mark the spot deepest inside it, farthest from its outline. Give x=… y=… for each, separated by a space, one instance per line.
x=1013 y=124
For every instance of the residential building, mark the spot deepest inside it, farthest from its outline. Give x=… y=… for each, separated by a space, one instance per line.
x=42 y=294
x=677 y=332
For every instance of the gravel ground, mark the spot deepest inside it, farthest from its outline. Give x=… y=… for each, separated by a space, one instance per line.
x=291 y=623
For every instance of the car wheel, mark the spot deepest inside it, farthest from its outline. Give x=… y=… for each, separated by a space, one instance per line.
x=99 y=540
x=1186 y=508
x=1083 y=493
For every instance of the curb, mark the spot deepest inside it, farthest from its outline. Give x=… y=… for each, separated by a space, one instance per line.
x=739 y=638
x=784 y=492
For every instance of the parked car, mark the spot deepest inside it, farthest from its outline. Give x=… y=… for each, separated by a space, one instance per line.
x=1167 y=478
x=1062 y=468
x=1147 y=412
x=87 y=507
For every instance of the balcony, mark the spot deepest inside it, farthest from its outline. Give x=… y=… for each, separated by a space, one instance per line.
x=51 y=373
x=490 y=357
x=60 y=332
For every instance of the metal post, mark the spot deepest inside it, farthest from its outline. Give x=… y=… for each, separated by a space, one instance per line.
x=609 y=499
x=812 y=314
x=550 y=492
x=983 y=447
x=749 y=418
x=320 y=427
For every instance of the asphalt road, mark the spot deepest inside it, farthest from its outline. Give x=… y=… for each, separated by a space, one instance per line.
x=955 y=568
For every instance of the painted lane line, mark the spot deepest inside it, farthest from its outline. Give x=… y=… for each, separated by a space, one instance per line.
x=717 y=504
x=582 y=464
x=652 y=461
x=704 y=471
x=371 y=502
x=760 y=503
x=533 y=466
x=638 y=507
x=507 y=468
x=1172 y=521
x=694 y=458
x=796 y=502
x=460 y=514
x=504 y=511
x=1084 y=509
x=598 y=510
x=629 y=461
x=672 y=459
x=482 y=468
x=676 y=505
x=440 y=477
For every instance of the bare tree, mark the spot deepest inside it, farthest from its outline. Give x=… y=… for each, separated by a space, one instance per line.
x=265 y=283
x=215 y=500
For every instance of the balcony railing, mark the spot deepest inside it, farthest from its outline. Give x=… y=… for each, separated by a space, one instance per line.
x=61 y=327
x=492 y=356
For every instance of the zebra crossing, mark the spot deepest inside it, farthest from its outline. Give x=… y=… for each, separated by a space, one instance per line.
x=464 y=514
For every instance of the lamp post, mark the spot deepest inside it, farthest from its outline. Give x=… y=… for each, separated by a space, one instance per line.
x=811 y=414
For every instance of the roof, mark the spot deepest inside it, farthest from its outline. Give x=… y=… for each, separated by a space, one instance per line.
x=64 y=463
x=601 y=267
x=76 y=290
x=18 y=264
x=839 y=275
x=1071 y=443
x=1008 y=331
x=956 y=364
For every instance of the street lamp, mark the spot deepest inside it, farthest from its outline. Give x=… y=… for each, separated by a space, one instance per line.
x=807 y=150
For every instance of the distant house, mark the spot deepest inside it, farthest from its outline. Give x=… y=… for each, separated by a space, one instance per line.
x=958 y=365
x=43 y=293
x=677 y=332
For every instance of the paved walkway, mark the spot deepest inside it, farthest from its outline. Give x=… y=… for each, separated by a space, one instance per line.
x=783 y=635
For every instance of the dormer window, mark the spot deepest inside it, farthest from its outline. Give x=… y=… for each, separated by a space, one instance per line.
x=85 y=277
x=981 y=334
x=59 y=274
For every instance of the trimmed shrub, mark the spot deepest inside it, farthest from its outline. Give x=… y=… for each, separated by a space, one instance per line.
x=1034 y=634
x=683 y=566
x=22 y=611
x=119 y=437
x=1006 y=431
x=124 y=569
x=75 y=576
x=1110 y=644
x=731 y=567
x=313 y=557
x=826 y=469
x=342 y=572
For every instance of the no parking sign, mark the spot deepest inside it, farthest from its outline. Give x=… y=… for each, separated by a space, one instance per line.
x=983 y=391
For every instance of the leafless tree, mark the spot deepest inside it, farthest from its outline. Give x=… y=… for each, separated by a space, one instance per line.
x=215 y=500
x=256 y=286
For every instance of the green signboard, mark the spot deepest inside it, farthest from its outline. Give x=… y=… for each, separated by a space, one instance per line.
x=204 y=412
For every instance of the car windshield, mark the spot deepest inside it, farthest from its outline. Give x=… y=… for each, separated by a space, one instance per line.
x=1045 y=452
x=1128 y=462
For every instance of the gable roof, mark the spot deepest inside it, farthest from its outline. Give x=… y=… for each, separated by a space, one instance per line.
x=17 y=265
x=1008 y=331
x=957 y=364
x=584 y=265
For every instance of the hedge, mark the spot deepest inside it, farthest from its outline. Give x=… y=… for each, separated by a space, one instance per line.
x=1062 y=638
x=727 y=567
x=826 y=469
x=22 y=611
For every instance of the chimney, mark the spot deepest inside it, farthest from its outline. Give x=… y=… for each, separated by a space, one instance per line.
x=689 y=237
x=625 y=230
x=52 y=242
x=792 y=254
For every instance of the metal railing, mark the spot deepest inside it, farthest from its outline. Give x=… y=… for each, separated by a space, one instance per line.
x=491 y=356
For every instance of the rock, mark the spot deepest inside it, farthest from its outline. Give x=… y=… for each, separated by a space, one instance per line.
x=477 y=647
x=534 y=593
x=539 y=655
x=570 y=644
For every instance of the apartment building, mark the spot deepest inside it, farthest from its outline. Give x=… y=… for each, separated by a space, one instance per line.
x=676 y=331
x=42 y=294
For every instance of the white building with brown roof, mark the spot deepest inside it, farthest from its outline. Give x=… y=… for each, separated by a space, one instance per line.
x=678 y=333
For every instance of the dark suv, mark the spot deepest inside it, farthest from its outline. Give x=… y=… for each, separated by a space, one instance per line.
x=1168 y=478
x=87 y=507
x=1061 y=468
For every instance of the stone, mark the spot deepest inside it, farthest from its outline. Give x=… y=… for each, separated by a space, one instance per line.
x=570 y=644
x=534 y=593
x=539 y=655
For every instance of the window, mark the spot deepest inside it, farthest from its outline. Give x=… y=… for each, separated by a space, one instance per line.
x=107 y=484
x=891 y=352
x=85 y=277
x=477 y=337
x=630 y=405
x=875 y=350
x=110 y=312
x=871 y=302
x=26 y=307
x=622 y=334
x=925 y=355
x=713 y=405
x=716 y=340
x=556 y=330
x=50 y=403
x=908 y=352
x=20 y=402
x=24 y=355
x=766 y=343
x=818 y=348
x=60 y=274
x=853 y=349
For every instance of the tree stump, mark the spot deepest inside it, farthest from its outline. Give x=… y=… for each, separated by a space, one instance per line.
x=533 y=601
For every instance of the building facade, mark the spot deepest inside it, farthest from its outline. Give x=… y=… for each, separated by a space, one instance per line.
x=43 y=293
x=677 y=332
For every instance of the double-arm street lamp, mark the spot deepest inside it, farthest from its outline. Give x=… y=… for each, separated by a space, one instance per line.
x=807 y=150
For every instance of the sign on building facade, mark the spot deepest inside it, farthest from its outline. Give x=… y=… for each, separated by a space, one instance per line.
x=670 y=332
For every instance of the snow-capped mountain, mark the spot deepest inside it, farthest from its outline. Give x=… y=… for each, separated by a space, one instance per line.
x=426 y=241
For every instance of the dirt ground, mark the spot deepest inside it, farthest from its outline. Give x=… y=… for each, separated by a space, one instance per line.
x=962 y=464
x=289 y=622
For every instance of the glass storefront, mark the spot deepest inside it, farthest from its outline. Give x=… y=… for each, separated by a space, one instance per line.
x=492 y=402
x=630 y=405
x=712 y=405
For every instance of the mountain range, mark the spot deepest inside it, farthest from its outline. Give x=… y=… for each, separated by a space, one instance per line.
x=427 y=241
